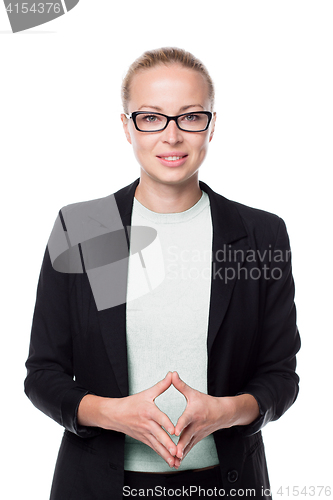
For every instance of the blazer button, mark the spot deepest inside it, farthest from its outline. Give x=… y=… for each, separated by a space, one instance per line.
x=232 y=476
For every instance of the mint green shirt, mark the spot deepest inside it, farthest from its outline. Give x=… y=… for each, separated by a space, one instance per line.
x=167 y=320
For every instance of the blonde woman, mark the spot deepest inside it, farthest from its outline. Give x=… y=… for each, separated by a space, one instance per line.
x=165 y=393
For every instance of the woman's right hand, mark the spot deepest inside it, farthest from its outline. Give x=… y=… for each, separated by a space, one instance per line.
x=138 y=417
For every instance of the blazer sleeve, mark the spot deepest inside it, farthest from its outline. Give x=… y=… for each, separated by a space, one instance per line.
x=49 y=382
x=275 y=384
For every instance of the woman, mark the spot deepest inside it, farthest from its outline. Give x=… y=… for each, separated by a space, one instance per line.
x=206 y=295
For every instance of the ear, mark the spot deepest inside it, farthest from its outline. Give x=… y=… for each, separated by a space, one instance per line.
x=213 y=127
x=125 y=126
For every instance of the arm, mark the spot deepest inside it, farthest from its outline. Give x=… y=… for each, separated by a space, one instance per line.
x=49 y=382
x=274 y=385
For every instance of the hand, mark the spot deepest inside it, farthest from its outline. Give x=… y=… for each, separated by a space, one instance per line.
x=139 y=417
x=203 y=415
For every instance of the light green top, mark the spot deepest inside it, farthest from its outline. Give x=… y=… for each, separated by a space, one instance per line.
x=167 y=320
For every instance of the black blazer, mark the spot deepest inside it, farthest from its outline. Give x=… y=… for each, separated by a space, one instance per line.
x=252 y=341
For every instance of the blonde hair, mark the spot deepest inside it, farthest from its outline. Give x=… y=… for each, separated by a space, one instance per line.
x=164 y=55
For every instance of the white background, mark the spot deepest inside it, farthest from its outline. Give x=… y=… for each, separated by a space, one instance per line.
x=62 y=142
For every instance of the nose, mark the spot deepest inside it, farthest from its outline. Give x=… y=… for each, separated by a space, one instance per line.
x=172 y=134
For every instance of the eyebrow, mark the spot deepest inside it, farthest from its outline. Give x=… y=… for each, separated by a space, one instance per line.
x=183 y=108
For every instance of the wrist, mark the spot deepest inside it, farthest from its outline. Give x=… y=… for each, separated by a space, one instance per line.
x=92 y=411
x=226 y=412
x=108 y=414
x=245 y=409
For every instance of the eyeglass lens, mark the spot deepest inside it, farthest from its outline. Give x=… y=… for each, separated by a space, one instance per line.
x=153 y=121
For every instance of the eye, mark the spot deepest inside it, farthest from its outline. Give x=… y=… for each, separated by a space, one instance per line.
x=191 y=118
x=149 y=118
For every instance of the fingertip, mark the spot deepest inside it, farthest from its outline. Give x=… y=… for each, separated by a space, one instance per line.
x=176 y=378
x=173 y=452
x=165 y=379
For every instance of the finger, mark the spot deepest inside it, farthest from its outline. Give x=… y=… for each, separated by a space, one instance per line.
x=160 y=450
x=189 y=446
x=184 y=420
x=162 y=437
x=179 y=453
x=160 y=387
x=162 y=420
x=183 y=442
x=181 y=386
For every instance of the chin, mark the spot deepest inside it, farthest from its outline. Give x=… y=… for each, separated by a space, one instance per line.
x=171 y=177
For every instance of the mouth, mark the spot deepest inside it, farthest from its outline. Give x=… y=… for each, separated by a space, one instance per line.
x=173 y=160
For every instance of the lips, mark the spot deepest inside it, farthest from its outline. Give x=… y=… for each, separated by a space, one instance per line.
x=172 y=159
x=172 y=154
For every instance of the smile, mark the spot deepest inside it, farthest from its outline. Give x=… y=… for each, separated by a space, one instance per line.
x=172 y=158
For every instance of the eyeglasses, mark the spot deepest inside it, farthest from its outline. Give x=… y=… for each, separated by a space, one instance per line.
x=156 y=122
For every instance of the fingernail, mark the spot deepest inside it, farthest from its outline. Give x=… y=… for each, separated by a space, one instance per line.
x=170 y=462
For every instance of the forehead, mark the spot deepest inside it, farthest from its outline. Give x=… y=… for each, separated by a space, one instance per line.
x=168 y=87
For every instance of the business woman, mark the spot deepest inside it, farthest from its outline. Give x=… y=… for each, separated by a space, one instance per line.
x=163 y=359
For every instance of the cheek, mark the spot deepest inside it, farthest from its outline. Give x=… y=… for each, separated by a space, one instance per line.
x=142 y=145
x=143 y=148
x=201 y=145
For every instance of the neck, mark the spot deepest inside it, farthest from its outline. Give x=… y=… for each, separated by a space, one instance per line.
x=168 y=198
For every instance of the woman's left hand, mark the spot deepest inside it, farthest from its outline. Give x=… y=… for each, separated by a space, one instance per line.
x=205 y=414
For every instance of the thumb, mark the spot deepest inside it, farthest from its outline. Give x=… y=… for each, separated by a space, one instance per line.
x=161 y=386
x=180 y=385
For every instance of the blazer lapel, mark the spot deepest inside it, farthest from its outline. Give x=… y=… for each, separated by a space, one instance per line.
x=229 y=235
x=113 y=319
x=229 y=249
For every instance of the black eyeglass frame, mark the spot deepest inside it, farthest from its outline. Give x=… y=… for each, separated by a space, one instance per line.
x=134 y=114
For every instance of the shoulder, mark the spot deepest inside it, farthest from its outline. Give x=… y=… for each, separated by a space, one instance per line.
x=82 y=206
x=97 y=212
x=260 y=225
x=255 y=216
x=265 y=227
x=107 y=207
x=249 y=215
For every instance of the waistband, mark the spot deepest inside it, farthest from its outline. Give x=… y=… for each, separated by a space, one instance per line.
x=173 y=472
